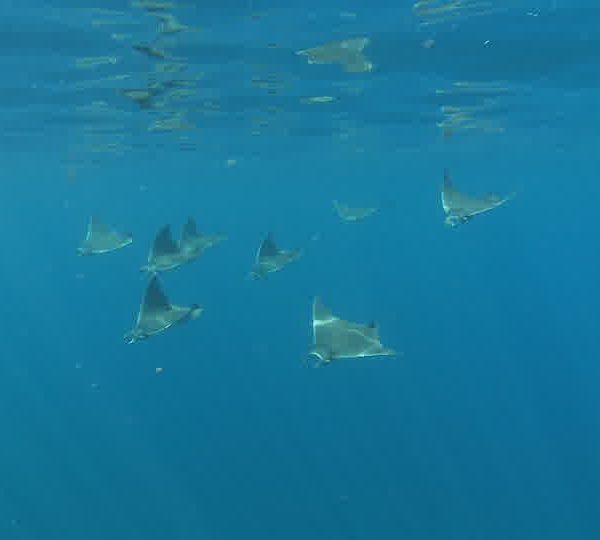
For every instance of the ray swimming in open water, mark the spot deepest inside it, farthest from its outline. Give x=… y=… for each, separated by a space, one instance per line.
x=157 y=314
x=165 y=253
x=102 y=239
x=193 y=243
x=270 y=258
x=460 y=208
x=335 y=338
x=351 y=214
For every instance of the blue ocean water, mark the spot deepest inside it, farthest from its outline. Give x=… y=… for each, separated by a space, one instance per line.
x=484 y=426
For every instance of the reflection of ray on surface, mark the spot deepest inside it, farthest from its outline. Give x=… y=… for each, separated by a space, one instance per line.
x=432 y=12
x=348 y=53
x=94 y=61
x=153 y=6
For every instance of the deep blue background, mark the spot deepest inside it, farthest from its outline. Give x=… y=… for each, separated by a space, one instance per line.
x=486 y=425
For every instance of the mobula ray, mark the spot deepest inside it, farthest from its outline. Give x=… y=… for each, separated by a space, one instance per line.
x=335 y=338
x=270 y=258
x=157 y=314
x=102 y=239
x=460 y=208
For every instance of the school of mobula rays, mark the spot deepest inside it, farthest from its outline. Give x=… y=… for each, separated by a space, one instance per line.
x=333 y=338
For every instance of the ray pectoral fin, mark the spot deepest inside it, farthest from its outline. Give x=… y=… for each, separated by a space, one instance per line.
x=155 y=299
x=372 y=331
x=320 y=312
x=164 y=243
x=189 y=229
x=268 y=248
x=95 y=226
x=509 y=197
